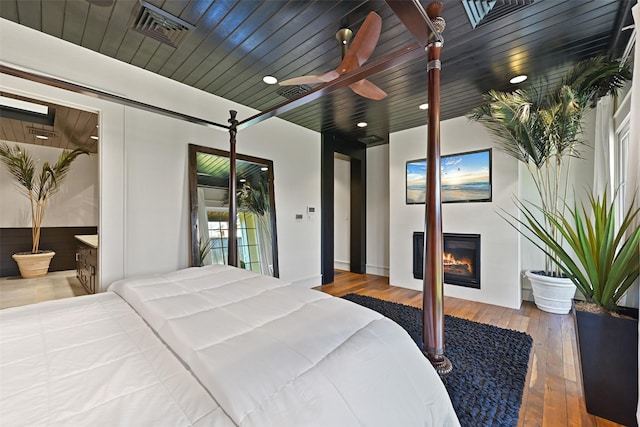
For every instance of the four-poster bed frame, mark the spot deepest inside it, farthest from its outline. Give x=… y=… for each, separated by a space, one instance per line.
x=426 y=27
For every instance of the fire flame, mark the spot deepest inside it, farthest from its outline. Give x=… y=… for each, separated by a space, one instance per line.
x=451 y=263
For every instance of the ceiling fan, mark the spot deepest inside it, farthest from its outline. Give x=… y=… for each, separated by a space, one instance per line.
x=356 y=54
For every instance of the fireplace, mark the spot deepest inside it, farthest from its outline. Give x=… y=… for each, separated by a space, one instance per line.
x=461 y=258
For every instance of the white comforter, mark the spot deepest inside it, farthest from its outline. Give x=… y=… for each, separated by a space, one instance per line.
x=274 y=354
x=92 y=361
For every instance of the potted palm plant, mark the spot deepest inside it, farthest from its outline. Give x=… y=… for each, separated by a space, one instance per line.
x=541 y=126
x=602 y=262
x=38 y=188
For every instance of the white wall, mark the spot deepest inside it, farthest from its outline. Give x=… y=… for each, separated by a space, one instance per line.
x=341 y=213
x=143 y=221
x=378 y=210
x=500 y=251
x=74 y=205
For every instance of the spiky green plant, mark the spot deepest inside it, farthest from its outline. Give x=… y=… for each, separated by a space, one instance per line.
x=541 y=126
x=38 y=188
x=605 y=260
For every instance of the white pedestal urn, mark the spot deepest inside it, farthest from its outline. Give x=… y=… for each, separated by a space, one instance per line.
x=552 y=294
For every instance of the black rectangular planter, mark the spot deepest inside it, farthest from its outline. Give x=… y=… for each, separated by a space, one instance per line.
x=608 y=351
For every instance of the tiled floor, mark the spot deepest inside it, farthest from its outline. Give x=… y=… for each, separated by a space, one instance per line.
x=16 y=291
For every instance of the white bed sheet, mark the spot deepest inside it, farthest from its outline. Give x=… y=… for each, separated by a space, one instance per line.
x=274 y=354
x=92 y=361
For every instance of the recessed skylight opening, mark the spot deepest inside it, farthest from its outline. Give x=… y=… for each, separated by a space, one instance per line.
x=24 y=105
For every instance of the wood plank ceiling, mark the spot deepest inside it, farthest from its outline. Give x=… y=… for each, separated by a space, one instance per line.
x=69 y=128
x=233 y=44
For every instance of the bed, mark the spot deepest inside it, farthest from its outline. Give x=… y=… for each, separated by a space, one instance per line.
x=213 y=345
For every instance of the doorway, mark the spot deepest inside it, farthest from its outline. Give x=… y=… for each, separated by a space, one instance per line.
x=44 y=129
x=356 y=153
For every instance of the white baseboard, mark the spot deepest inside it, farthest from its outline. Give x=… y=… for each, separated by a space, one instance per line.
x=378 y=270
x=342 y=265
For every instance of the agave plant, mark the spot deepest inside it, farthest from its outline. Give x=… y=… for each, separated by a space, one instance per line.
x=38 y=188
x=541 y=126
x=605 y=260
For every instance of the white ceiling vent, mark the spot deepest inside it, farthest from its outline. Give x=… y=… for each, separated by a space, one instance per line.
x=160 y=25
x=481 y=12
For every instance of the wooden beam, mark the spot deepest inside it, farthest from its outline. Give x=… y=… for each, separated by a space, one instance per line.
x=416 y=20
x=426 y=27
x=96 y=93
x=391 y=60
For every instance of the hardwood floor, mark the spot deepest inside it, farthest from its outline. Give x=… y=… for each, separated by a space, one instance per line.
x=553 y=393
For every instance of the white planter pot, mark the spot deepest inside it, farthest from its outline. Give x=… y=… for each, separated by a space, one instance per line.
x=33 y=265
x=552 y=294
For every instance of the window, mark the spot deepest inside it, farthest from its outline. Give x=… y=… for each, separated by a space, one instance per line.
x=248 y=253
x=621 y=165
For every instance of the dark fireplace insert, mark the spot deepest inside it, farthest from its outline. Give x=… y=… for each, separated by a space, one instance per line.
x=461 y=258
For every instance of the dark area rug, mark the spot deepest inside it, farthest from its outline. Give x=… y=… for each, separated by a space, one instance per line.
x=489 y=363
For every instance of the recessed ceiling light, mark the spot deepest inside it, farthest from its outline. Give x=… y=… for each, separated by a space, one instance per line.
x=518 y=79
x=243 y=180
x=270 y=80
x=94 y=137
x=42 y=137
x=362 y=125
x=423 y=106
x=264 y=168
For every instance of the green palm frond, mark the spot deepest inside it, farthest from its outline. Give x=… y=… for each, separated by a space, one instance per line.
x=20 y=164
x=541 y=125
x=37 y=188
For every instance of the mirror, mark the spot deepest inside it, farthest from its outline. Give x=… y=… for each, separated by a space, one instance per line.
x=209 y=206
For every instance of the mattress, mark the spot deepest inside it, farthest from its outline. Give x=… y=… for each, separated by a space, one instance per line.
x=275 y=354
x=92 y=361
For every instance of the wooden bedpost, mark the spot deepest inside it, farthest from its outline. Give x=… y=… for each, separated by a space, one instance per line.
x=433 y=275
x=232 y=243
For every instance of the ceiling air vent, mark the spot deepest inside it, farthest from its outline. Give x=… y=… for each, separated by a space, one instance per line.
x=292 y=91
x=160 y=25
x=43 y=132
x=370 y=139
x=481 y=12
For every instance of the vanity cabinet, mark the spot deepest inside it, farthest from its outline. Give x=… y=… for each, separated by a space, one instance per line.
x=87 y=262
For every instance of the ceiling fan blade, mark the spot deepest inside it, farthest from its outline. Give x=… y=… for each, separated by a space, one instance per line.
x=368 y=90
x=311 y=79
x=363 y=44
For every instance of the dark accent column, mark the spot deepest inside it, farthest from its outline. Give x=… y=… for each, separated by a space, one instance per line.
x=433 y=282
x=232 y=242
x=332 y=144
x=358 y=213
x=326 y=210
